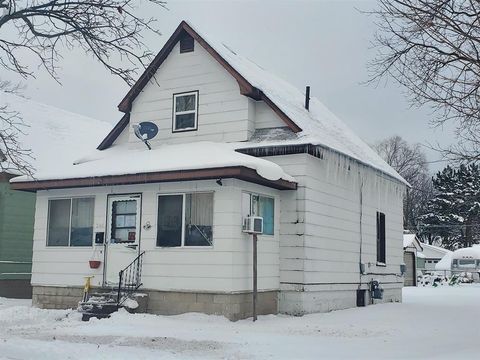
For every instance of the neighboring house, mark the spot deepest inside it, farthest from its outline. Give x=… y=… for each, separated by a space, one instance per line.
x=411 y=247
x=55 y=137
x=233 y=141
x=433 y=254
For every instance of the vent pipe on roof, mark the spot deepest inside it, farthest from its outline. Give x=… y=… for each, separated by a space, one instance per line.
x=307 y=97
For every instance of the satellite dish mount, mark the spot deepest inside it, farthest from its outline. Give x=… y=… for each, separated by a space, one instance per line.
x=145 y=131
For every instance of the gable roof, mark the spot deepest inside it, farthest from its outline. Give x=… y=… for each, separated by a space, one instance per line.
x=55 y=137
x=434 y=252
x=316 y=126
x=411 y=241
x=246 y=88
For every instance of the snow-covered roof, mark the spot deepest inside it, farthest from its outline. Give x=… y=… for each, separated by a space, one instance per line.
x=467 y=253
x=445 y=263
x=190 y=156
x=434 y=252
x=319 y=125
x=420 y=255
x=56 y=137
x=410 y=240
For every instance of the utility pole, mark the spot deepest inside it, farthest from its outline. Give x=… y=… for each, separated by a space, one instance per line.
x=254 y=277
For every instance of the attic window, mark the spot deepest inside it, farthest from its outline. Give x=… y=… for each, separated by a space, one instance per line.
x=185 y=111
x=186 y=44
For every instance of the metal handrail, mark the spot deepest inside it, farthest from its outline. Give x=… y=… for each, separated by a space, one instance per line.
x=130 y=278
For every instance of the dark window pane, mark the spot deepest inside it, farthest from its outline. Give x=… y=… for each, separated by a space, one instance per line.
x=58 y=222
x=82 y=222
x=186 y=44
x=381 y=245
x=184 y=121
x=198 y=219
x=185 y=103
x=169 y=222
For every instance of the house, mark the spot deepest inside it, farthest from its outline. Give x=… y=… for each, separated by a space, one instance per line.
x=411 y=248
x=54 y=137
x=209 y=139
x=433 y=254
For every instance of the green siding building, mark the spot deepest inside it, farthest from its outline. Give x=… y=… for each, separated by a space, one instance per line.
x=17 y=209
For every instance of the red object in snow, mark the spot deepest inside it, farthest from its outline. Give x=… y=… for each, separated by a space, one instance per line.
x=94 y=264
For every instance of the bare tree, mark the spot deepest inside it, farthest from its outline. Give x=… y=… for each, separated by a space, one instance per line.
x=14 y=157
x=432 y=47
x=410 y=162
x=111 y=31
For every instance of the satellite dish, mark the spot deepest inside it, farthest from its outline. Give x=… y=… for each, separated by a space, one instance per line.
x=145 y=130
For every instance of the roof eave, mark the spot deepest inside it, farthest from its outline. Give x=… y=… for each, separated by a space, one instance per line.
x=237 y=172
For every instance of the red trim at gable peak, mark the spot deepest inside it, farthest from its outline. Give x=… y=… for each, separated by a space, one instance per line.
x=246 y=88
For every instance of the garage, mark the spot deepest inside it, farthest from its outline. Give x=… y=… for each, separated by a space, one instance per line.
x=410 y=273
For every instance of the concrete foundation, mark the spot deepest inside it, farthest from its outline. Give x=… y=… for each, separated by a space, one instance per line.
x=234 y=306
x=299 y=303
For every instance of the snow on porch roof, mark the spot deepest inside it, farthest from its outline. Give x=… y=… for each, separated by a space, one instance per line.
x=120 y=160
x=316 y=126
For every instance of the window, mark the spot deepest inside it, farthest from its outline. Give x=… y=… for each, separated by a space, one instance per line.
x=186 y=44
x=124 y=221
x=185 y=220
x=185 y=111
x=263 y=206
x=466 y=263
x=70 y=222
x=381 y=253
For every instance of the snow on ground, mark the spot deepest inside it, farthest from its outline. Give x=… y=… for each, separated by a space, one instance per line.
x=431 y=323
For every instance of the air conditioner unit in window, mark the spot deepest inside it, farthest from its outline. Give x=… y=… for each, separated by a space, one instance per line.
x=253 y=225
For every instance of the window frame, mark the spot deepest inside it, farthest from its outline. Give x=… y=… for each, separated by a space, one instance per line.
x=138 y=216
x=69 y=222
x=259 y=195
x=182 y=243
x=175 y=113
x=381 y=234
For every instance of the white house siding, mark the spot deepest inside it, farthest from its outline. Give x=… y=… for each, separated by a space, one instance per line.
x=265 y=118
x=320 y=247
x=224 y=268
x=223 y=112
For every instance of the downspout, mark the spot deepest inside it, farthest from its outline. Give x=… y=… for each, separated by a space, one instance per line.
x=361 y=233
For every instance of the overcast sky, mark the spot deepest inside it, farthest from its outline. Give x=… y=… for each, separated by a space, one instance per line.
x=324 y=44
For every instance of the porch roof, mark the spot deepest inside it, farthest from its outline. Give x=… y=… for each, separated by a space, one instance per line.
x=181 y=162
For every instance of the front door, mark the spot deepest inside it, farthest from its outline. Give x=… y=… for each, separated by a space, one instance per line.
x=123 y=234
